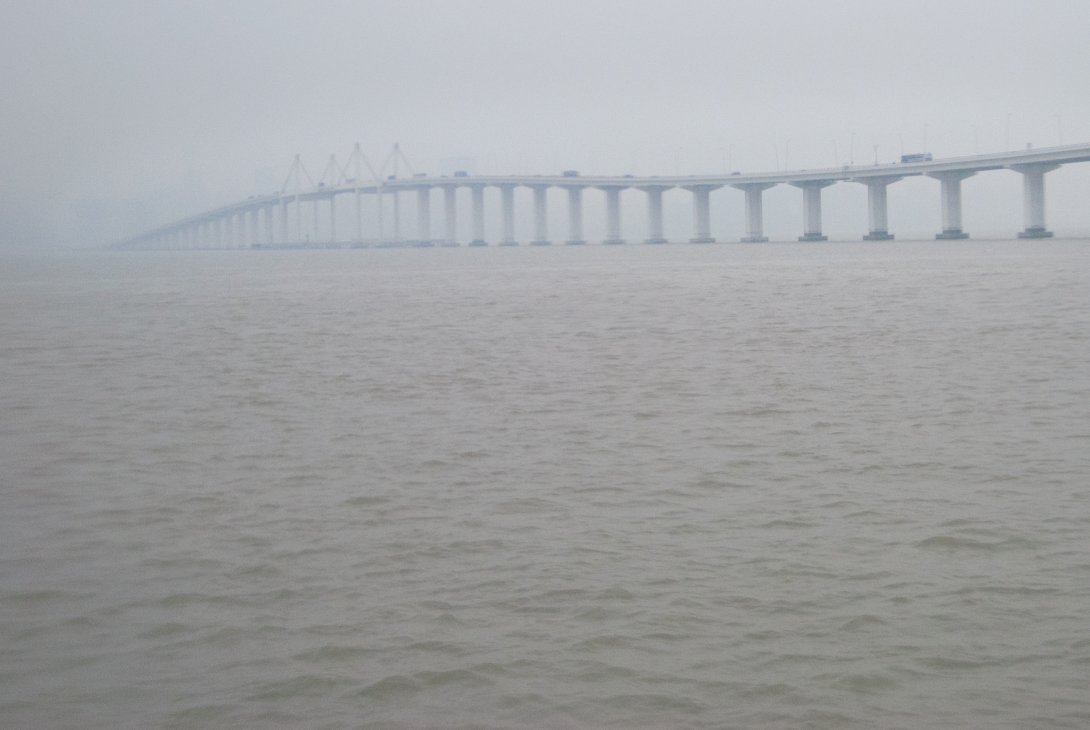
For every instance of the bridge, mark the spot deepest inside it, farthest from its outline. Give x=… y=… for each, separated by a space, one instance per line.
x=278 y=220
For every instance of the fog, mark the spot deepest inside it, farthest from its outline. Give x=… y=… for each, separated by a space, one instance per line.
x=122 y=114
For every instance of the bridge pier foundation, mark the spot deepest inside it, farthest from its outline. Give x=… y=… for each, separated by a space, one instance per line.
x=702 y=228
x=654 y=215
x=477 y=193
x=450 y=200
x=359 y=217
x=878 y=207
x=951 y=204
x=423 y=216
x=613 y=216
x=754 y=211
x=332 y=218
x=1033 y=199
x=811 y=209
x=575 y=217
x=507 y=208
x=541 y=221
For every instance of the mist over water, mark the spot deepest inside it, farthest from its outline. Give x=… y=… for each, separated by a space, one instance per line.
x=828 y=486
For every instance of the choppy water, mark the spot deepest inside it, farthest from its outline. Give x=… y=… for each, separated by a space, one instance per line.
x=785 y=486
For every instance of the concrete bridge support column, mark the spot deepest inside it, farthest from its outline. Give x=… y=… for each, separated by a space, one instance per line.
x=951 y=203
x=877 y=208
x=654 y=215
x=575 y=217
x=450 y=202
x=541 y=220
x=507 y=207
x=477 y=194
x=359 y=216
x=811 y=209
x=283 y=236
x=395 y=194
x=702 y=226
x=613 y=216
x=380 y=232
x=332 y=218
x=269 y=235
x=298 y=219
x=754 y=211
x=1033 y=199
x=423 y=216
x=299 y=233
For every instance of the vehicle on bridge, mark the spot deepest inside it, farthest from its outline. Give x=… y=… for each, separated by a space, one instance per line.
x=917 y=157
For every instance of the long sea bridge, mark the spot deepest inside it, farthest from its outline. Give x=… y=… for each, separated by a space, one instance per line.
x=280 y=221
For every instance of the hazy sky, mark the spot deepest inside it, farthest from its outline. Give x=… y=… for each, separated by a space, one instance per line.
x=125 y=104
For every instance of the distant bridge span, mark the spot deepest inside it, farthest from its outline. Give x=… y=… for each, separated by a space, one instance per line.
x=277 y=220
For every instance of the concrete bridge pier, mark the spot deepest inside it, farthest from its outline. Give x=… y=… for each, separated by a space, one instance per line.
x=541 y=221
x=313 y=236
x=333 y=218
x=507 y=209
x=811 y=209
x=613 y=216
x=878 y=207
x=654 y=215
x=702 y=227
x=396 y=195
x=450 y=201
x=477 y=192
x=754 y=211
x=423 y=215
x=380 y=228
x=575 y=216
x=269 y=224
x=1033 y=199
x=359 y=216
x=951 y=204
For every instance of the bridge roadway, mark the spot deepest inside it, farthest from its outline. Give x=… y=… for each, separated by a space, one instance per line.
x=240 y=225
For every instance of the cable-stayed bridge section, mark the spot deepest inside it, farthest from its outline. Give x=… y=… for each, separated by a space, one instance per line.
x=280 y=219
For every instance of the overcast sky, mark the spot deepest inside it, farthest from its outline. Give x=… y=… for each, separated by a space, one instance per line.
x=124 y=104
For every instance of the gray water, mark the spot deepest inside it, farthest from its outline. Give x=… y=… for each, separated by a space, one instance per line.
x=783 y=486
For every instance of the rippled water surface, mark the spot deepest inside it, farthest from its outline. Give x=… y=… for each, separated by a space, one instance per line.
x=785 y=486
